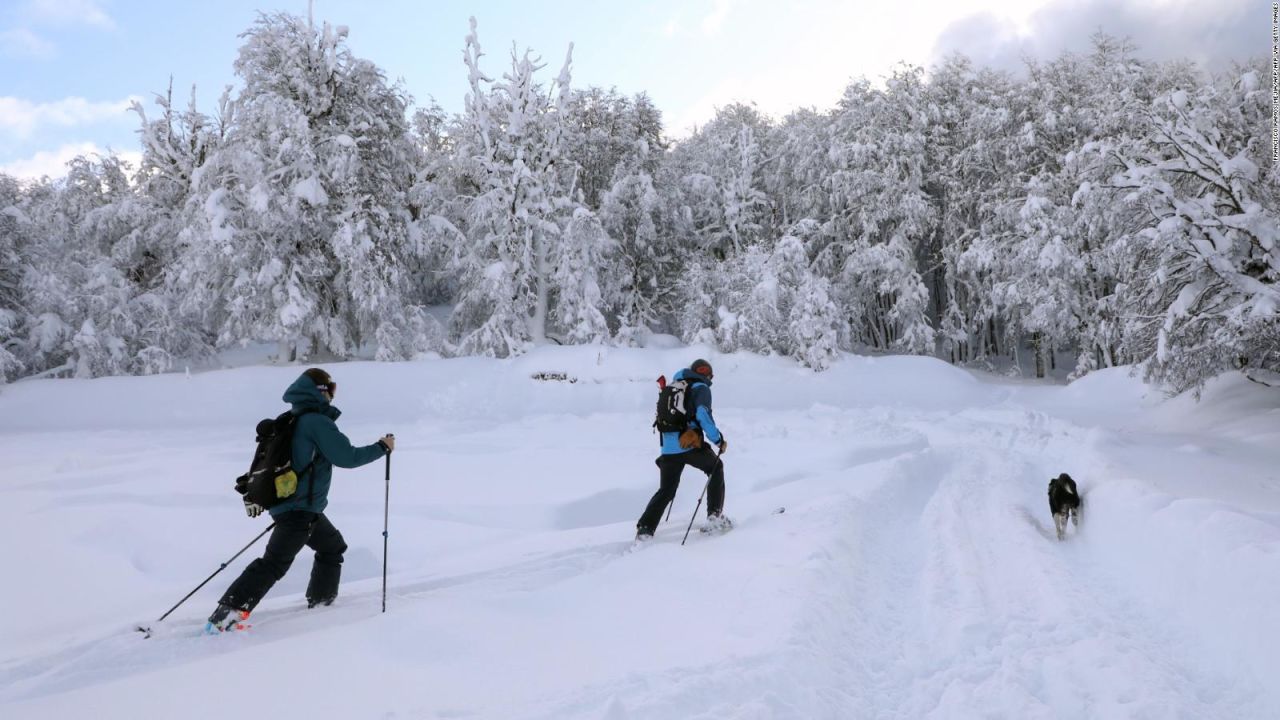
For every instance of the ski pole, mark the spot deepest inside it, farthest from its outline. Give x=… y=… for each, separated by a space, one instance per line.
x=386 y=516
x=695 y=511
x=221 y=567
x=672 y=503
x=699 y=505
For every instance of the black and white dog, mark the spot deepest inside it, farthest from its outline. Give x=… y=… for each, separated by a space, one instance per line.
x=1064 y=501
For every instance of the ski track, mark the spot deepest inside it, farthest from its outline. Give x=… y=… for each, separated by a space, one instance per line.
x=946 y=597
x=932 y=587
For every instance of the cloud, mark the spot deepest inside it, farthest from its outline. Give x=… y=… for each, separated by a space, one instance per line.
x=19 y=118
x=53 y=163
x=22 y=42
x=1212 y=34
x=68 y=12
x=712 y=23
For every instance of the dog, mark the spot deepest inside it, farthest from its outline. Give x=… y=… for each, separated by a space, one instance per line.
x=1064 y=502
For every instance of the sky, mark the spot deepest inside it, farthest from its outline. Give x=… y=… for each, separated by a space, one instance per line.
x=70 y=69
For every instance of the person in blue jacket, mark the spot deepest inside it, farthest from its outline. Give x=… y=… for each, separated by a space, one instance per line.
x=692 y=450
x=300 y=520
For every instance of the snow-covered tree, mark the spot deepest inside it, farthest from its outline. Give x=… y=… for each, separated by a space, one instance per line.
x=721 y=170
x=1117 y=209
x=513 y=148
x=1203 y=294
x=576 y=261
x=880 y=213
x=645 y=268
x=604 y=130
x=974 y=176
x=14 y=236
x=781 y=306
x=85 y=315
x=305 y=224
x=796 y=180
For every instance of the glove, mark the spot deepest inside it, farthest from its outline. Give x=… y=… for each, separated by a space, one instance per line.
x=691 y=438
x=388 y=443
x=724 y=444
x=251 y=508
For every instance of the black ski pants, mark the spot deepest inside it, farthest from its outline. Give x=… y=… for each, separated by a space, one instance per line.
x=294 y=530
x=670 y=468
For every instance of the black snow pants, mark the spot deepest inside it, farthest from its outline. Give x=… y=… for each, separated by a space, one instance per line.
x=294 y=530
x=670 y=468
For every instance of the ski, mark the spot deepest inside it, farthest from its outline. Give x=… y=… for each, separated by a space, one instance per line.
x=705 y=530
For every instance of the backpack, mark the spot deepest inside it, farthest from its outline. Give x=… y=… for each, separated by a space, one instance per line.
x=272 y=479
x=674 y=412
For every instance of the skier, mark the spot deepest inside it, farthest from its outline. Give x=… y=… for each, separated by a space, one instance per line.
x=300 y=520
x=689 y=448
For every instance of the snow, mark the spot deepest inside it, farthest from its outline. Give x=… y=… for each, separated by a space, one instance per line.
x=311 y=190
x=914 y=573
x=1240 y=166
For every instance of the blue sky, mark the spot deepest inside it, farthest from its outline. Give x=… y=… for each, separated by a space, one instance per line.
x=68 y=68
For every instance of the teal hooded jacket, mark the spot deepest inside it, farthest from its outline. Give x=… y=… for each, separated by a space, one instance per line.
x=316 y=437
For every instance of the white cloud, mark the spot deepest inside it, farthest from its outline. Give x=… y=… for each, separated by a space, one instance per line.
x=21 y=42
x=53 y=163
x=841 y=41
x=712 y=23
x=68 y=12
x=20 y=118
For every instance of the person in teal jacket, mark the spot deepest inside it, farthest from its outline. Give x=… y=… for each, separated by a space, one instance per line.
x=319 y=445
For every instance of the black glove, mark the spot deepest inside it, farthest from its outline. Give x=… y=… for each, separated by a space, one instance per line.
x=723 y=445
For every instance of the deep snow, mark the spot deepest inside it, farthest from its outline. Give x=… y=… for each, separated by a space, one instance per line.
x=913 y=574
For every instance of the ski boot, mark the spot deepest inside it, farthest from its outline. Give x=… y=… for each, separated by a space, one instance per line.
x=717 y=524
x=225 y=618
x=644 y=536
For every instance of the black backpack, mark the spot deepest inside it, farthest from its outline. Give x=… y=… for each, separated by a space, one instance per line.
x=272 y=479
x=673 y=406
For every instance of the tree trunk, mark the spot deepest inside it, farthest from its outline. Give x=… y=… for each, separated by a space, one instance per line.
x=538 y=322
x=1037 y=344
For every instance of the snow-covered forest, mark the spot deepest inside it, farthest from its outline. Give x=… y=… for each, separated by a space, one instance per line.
x=1095 y=207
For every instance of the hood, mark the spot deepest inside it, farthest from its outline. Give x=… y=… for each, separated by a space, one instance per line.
x=303 y=395
x=685 y=374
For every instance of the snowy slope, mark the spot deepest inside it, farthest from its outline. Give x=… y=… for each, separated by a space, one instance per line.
x=913 y=574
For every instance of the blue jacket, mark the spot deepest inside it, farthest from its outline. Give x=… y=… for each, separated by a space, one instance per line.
x=700 y=388
x=317 y=437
